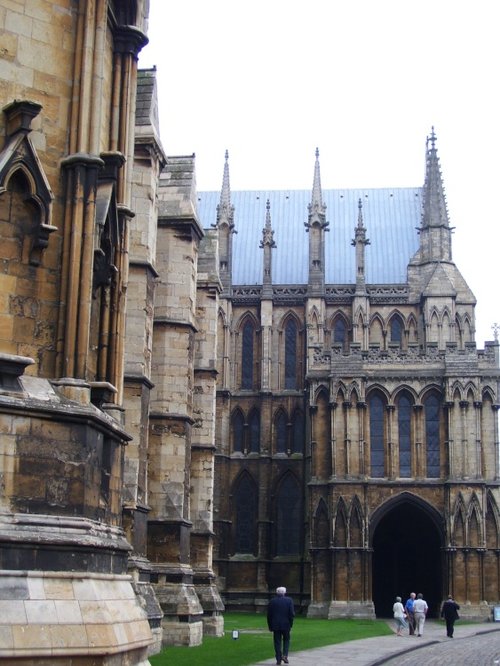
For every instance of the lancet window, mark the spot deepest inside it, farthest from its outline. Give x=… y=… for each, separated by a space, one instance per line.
x=377 y=428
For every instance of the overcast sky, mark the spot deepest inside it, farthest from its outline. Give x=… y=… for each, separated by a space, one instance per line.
x=362 y=80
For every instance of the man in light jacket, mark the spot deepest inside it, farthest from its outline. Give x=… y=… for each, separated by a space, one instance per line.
x=420 y=609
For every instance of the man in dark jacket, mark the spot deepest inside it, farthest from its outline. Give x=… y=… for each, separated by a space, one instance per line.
x=280 y=614
x=450 y=613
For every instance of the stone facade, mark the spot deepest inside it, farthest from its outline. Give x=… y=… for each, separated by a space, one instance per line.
x=357 y=433
x=107 y=350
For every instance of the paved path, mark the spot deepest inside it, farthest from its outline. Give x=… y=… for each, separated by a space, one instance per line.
x=473 y=645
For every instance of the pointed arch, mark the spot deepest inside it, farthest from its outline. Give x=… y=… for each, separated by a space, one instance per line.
x=412 y=326
x=377 y=330
x=21 y=172
x=471 y=392
x=458 y=522
x=248 y=351
x=245 y=503
x=388 y=505
x=339 y=330
x=456 y=391
x=237 y=431
x=321 y=391
x=340 y=391
x=290 y=353
x=340 y=524
x=321 y=525
x=396 y=328
x=474 y=521
x=492 y=535
x=288 y=519
x=447 y=326
x=354 y=392
x=314 y=317
x=433 y=332
x=356 y=524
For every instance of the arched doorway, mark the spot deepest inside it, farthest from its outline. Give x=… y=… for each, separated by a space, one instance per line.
x=407 y=554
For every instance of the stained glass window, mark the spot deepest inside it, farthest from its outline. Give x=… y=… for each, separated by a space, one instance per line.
x=291 y=354
x=432 y=412
x=238 y=432
x=396 y=330
x=376 y=405
x=247 y=356
x=404 y=430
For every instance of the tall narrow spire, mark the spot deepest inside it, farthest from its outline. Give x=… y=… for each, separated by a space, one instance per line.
x=267 y=243
x=359 y=242
x=317 y=206
x=225 y=225
x=225 y=210
x=435 y=239
x=435 y=210
x=316 y=226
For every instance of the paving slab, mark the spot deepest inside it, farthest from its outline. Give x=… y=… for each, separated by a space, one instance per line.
x=475 y=644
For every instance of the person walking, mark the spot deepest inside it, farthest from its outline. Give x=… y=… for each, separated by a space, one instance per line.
x=409 y=612
x=280 y=614
x=420 y=609
x=450 y=613
x=399 y=615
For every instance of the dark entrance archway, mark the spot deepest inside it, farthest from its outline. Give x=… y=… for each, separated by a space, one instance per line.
x=407 y=555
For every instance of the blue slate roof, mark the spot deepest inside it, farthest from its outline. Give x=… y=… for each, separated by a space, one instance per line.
x=390 y=217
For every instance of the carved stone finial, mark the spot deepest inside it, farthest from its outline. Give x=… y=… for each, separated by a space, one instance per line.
x=19 y=115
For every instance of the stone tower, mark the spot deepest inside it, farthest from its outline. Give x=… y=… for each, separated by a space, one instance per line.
x=67 y=82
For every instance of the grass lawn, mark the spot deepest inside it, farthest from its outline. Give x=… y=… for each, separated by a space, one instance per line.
x=255 y=642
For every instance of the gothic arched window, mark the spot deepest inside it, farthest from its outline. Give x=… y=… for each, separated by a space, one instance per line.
x=254 y=429
x=404 y=432
x=288 y=517
x=281 y=433
x=339 y=331
x=377 y=410
x=238 y=432
x=298 y=432
x=432 y=419
x=396 y=330
x=247 y=356
x=291 y=354
x=245 y=507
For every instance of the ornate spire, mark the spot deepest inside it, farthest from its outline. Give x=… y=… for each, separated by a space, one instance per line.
x=317 y=208
x=435 y=232
x=435 y=210
x=267 y=232
x=267 y=243
x=225 y=226
x=359 y=242
x=225 y=211
x=316 y=226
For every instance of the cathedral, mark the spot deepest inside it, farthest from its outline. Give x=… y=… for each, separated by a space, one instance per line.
x=204 y=395
x=357 y=452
